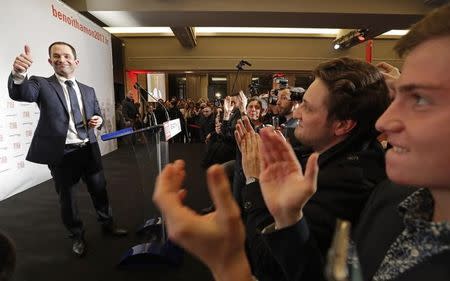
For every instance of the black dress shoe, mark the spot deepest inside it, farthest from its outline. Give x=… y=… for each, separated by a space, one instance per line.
x=114 y=231
x=79 y=247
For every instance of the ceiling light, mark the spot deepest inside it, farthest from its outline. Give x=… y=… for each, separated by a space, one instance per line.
x=396 y=32
x=350 y=39
x=136 y=30
x=218 y=79
x=265 y=30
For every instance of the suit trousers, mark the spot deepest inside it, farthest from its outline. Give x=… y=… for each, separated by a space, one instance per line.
x=80 y=163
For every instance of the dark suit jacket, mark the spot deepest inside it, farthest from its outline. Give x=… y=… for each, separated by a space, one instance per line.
x=47 y=146
x=380 y=225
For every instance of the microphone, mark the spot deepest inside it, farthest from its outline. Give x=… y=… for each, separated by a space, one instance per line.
x=142 y=93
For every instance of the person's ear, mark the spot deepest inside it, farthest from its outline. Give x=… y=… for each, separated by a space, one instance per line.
x=343 y=127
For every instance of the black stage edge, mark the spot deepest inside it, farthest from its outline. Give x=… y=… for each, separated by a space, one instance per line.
x=32 y=220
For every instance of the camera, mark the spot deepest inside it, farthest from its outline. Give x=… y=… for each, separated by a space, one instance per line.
x=283 y=83
x=217 y=102
x=297 y=94
x=253 y=88
x=280 y=82
x=273 y=97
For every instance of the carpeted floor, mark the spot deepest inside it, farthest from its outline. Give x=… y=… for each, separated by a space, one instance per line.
x=32 y=220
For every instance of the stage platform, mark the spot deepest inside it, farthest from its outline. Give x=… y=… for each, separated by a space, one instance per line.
x=32 y=220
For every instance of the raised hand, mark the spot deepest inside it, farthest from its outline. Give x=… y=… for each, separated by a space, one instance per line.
x=391 y=74
x=227 y=108
x=217 y=239
x=248 y=142
x=23 y=61
x=244 y=101
x=243 y=126
x=389 y=70
x=284 y=187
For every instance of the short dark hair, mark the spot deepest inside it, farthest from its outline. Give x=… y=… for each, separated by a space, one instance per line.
x=62 y=43
x=435 y=24
x=357 y=90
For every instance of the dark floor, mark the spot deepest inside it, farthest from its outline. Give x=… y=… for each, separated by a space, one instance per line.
x=32 y=220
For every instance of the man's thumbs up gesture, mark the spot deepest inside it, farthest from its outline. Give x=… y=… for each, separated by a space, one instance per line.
x=23 y=61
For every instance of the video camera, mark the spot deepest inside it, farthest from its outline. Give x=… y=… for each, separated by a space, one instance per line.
x=281 y=84
x=273 y=97
x=253 y=88
x=297 y=94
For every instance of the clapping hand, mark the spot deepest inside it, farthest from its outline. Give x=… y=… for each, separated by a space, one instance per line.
x=248 y=142
x=227 y=108
x=284 y=187
x=217 y=239
x=243 y=102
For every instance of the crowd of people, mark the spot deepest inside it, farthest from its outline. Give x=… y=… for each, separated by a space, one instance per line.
x=275 y=219
x=199 y=119
x=364 y=143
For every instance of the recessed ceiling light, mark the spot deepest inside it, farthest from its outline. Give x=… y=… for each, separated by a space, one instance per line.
x=265 y=30
x=135 y=30
x=397 y=32
x=218 y=79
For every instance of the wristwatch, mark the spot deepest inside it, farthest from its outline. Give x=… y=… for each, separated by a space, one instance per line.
x=250 y=180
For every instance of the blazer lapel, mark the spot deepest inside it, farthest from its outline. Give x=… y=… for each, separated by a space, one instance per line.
x=59 y=91
x=83 y=98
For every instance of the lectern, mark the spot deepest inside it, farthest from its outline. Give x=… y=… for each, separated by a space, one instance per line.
x=151 y=150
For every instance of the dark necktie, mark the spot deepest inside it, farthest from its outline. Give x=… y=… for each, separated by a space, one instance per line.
x=77 y=117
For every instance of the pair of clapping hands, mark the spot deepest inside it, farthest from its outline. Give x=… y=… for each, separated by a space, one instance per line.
x=217 y=238
x=228 y=105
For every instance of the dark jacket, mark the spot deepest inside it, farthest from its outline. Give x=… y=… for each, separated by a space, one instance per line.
x=47 y=146
x=207 y=126
x=348 y=172
x=129 y=110
x=379 y=226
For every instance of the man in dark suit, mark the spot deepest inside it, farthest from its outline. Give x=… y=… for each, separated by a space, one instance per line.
x=64 y=138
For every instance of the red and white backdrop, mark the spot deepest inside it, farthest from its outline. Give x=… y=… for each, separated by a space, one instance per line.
x=38 y=23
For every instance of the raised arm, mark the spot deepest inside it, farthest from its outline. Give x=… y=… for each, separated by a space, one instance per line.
x=217 y=239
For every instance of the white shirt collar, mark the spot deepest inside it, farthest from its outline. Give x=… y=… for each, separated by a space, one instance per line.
x=62 y=79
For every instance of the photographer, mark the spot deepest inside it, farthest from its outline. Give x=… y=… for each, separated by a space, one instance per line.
x=288 y=128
